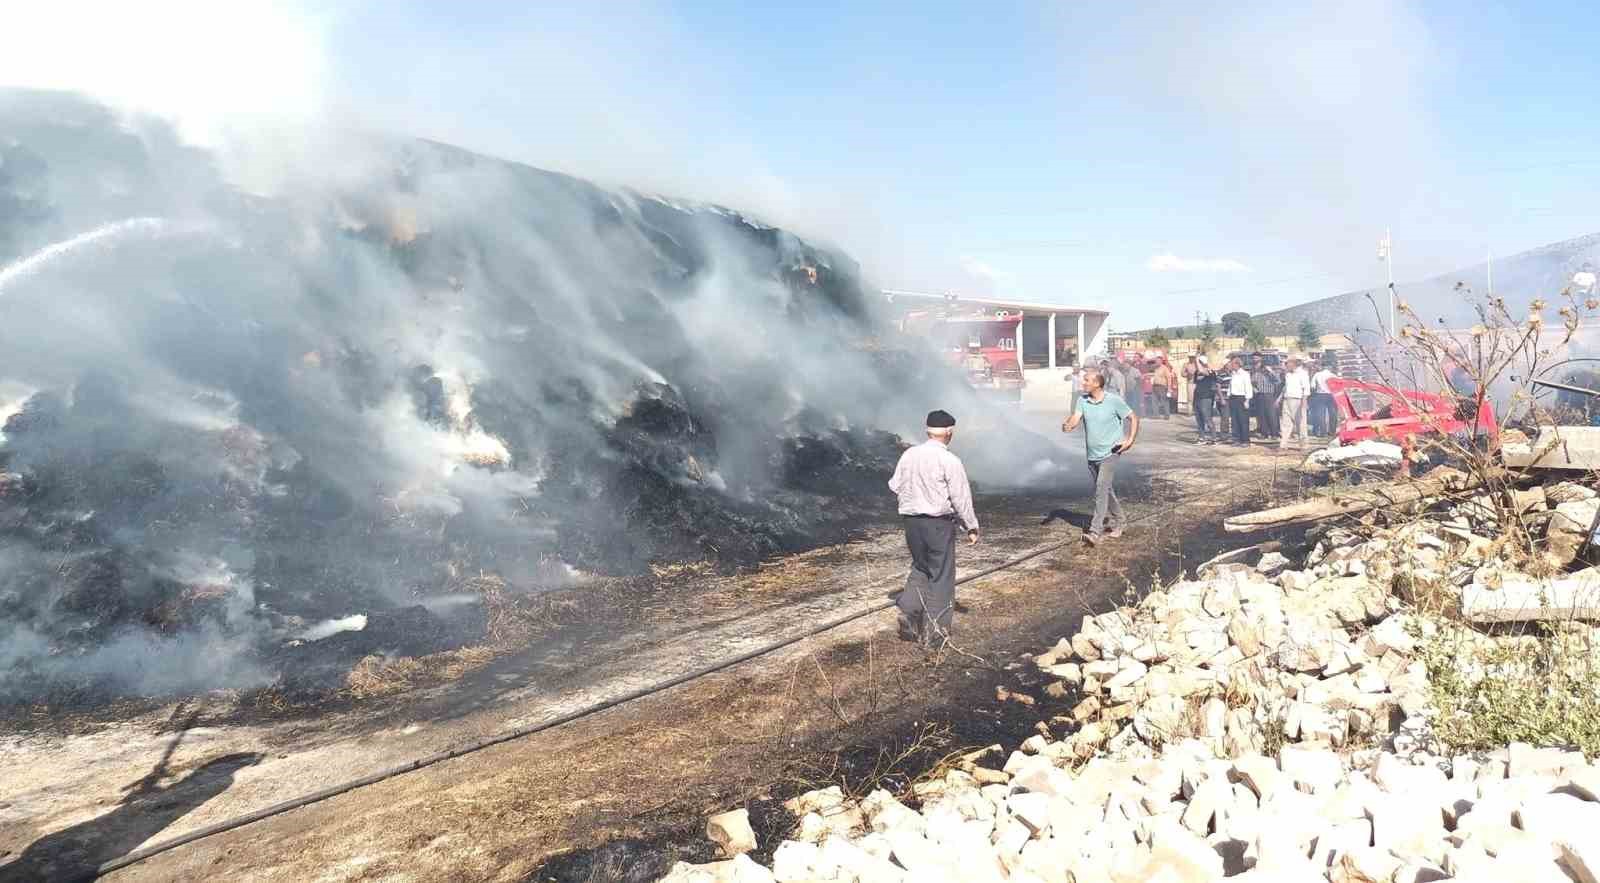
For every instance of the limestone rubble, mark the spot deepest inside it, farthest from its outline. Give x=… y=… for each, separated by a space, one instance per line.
x=1239 y=726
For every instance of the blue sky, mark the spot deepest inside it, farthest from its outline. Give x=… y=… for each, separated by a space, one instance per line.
x=1155 y=158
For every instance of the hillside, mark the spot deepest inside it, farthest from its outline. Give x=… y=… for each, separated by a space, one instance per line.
x=1541 y=272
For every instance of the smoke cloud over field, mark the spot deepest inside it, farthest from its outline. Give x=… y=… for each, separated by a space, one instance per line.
x=229 y=412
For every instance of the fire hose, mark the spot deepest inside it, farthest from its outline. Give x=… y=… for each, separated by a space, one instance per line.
x=139 y=855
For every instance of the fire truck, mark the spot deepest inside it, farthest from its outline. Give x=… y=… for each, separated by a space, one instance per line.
x=981 y=344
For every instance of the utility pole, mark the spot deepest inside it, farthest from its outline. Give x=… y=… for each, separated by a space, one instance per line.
x=1386 y=254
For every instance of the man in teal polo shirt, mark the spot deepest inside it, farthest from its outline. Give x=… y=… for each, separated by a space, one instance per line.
x=1109 y=430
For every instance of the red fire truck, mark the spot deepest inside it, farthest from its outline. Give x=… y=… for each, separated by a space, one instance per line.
x=981 y=344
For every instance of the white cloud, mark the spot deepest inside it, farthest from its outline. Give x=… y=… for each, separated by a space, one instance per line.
x=1171 y=263
x=981 y=269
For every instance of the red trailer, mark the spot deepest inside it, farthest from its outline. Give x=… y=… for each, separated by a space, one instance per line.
x=1400 y=416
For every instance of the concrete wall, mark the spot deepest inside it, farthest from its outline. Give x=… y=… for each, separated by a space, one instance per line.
x=1095 y=331
x=1046 y=390
x=1054 y=391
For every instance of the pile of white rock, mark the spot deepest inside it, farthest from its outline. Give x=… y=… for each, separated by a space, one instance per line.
x=1523 y=814
x=1259 y=723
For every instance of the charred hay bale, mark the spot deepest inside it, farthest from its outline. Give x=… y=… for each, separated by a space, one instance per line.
x=90 y=596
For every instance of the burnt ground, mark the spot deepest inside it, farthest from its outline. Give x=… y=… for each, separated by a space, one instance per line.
x=621 y=794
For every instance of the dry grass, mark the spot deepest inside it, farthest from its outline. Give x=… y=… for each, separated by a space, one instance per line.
x=892 y=763
x=377 y=675
x=784 y=576
x=272 y=700
x=508 y=619
x=681 y=570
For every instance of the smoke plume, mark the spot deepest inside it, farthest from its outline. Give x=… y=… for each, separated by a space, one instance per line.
x=230 y=412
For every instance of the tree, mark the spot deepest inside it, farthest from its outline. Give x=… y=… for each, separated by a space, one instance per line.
x=1157 y=339
x=1235 y=324
x=1310 y=337
x=1177 y=333
x=1255 y=336
x=1208 y=333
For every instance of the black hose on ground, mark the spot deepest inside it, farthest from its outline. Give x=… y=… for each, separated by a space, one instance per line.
x=139 y=855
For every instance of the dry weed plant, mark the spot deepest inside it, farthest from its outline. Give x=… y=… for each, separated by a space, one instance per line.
x=1497 y=358
x=1531 y=682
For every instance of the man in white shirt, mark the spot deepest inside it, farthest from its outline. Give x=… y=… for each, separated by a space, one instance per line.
x=1323 y=418
x=1240 y=391
x=1292 y=411
x=934 y=499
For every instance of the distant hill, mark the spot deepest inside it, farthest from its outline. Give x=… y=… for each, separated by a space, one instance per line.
x=1542 y=272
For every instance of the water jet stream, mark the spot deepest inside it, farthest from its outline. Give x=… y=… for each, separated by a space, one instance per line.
x=42 y=258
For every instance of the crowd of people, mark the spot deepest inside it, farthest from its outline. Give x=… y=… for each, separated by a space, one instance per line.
x=1233 y=402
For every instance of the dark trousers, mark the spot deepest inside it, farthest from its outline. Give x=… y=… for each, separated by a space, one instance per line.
x=1224 y=413
x=1323 y=416
x=1161 y=405
x=1202 y=417
x=927 y=606
x=1265 y=411
x=1241 y=419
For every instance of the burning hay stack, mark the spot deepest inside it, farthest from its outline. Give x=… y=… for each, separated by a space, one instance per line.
x=230 y=414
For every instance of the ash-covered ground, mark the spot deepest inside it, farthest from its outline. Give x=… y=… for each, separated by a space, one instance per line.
x=272 y=402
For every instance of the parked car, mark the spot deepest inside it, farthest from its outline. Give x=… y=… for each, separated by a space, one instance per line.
x=1272 y=358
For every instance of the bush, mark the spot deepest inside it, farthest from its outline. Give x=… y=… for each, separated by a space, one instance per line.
x=1255 y=336
x=1542 y=688
x=1310 y=337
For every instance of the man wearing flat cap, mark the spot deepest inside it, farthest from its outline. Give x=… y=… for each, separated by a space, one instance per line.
x=935 y=501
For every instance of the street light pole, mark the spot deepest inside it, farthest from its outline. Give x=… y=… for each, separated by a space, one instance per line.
x=1394 y=327
x=1386 y=254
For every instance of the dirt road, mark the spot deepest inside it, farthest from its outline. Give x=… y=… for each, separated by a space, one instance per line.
x=642 y=772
